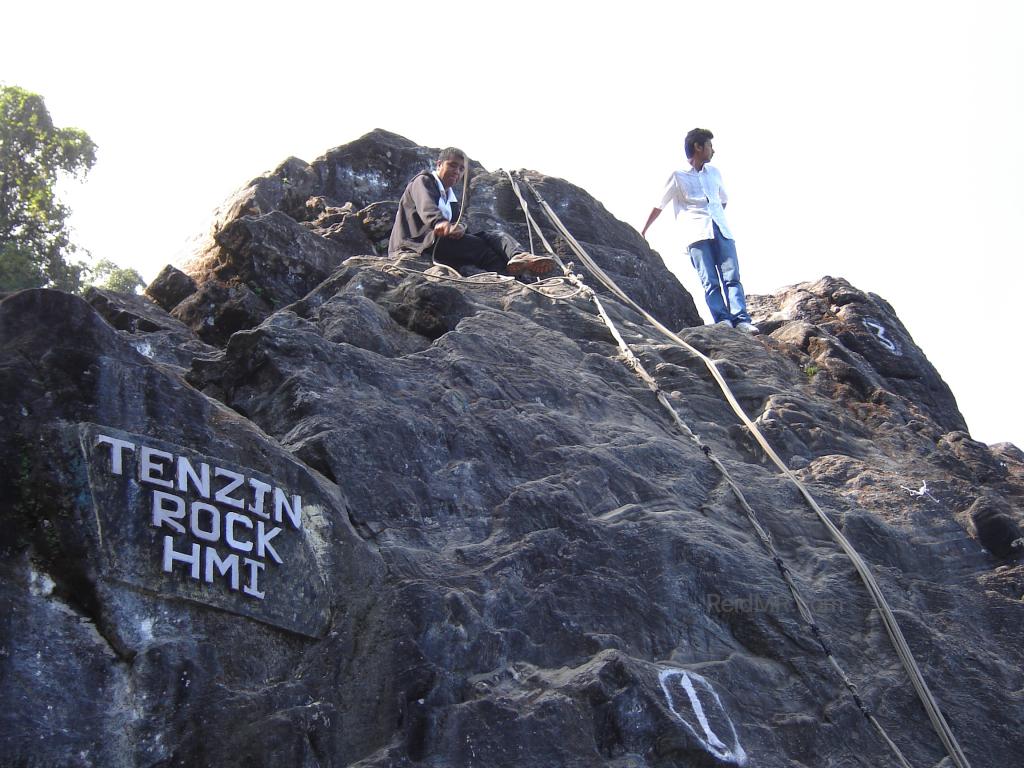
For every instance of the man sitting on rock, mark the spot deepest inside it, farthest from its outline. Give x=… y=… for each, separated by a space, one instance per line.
x=426 y=225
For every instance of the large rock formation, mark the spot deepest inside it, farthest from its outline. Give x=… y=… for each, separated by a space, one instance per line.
x=295 y=510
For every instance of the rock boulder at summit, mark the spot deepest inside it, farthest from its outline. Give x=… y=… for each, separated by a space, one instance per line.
x=295 y=508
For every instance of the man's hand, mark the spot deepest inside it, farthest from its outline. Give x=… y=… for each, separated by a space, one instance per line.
x=447 y=229
x=655 y=213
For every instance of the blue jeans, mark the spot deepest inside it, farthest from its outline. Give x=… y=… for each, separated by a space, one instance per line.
x=719 y=271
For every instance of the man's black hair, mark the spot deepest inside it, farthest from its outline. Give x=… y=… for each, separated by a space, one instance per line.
x=448 y=153
x=696 y=136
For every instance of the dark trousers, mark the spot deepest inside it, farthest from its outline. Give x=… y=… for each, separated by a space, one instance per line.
x=488 y=250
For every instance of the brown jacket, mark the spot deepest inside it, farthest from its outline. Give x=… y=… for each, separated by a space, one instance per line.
x=417 y=216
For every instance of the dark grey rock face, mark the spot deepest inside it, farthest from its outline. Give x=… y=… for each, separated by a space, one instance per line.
x=479 y=539
x=107 y=660
x=171 y=287
x=857 y=340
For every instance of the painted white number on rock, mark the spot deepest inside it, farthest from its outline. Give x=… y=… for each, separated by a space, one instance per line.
x=683 y=690
x=879 y=332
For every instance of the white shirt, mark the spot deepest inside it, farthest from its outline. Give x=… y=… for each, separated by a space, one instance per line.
x=444 y=202
x=698 y=199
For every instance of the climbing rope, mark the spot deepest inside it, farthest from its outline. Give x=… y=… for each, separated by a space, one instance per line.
x=550 y=288
x=463 y=204
x=464 y=200
x=889 y=620
x=802 y=607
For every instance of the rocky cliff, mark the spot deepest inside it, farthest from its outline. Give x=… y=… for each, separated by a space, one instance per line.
x=293 y=509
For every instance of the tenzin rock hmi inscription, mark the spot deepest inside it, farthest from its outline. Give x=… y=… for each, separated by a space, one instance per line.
x=182 y=524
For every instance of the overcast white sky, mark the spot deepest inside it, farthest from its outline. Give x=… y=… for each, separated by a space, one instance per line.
x=876 y=141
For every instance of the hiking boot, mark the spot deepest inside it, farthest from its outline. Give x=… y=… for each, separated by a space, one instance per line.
x=750 y=328
x=522 y=262
x=726 y=323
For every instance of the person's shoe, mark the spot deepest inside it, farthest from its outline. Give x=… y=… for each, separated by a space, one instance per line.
x=726 y=323
x=750 y=328
x=522 y=262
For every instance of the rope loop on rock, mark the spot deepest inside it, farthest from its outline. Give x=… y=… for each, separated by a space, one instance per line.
x=551 y=288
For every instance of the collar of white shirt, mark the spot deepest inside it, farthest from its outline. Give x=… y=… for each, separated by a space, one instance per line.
x=690 y=169
x=444 y=202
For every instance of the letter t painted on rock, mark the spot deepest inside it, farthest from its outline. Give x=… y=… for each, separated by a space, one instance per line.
x=116 y=446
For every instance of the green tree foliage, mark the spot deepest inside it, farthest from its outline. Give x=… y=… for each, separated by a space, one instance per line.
x=107 y=275
x=35 y=246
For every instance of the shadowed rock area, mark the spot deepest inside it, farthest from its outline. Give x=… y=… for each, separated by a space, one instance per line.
x=293 y=509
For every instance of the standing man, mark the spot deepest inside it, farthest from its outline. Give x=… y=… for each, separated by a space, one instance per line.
x=426 y=224
x=699 y=201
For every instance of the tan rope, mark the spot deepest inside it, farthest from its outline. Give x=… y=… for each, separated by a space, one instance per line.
x=889 y=620
x=803 y=608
